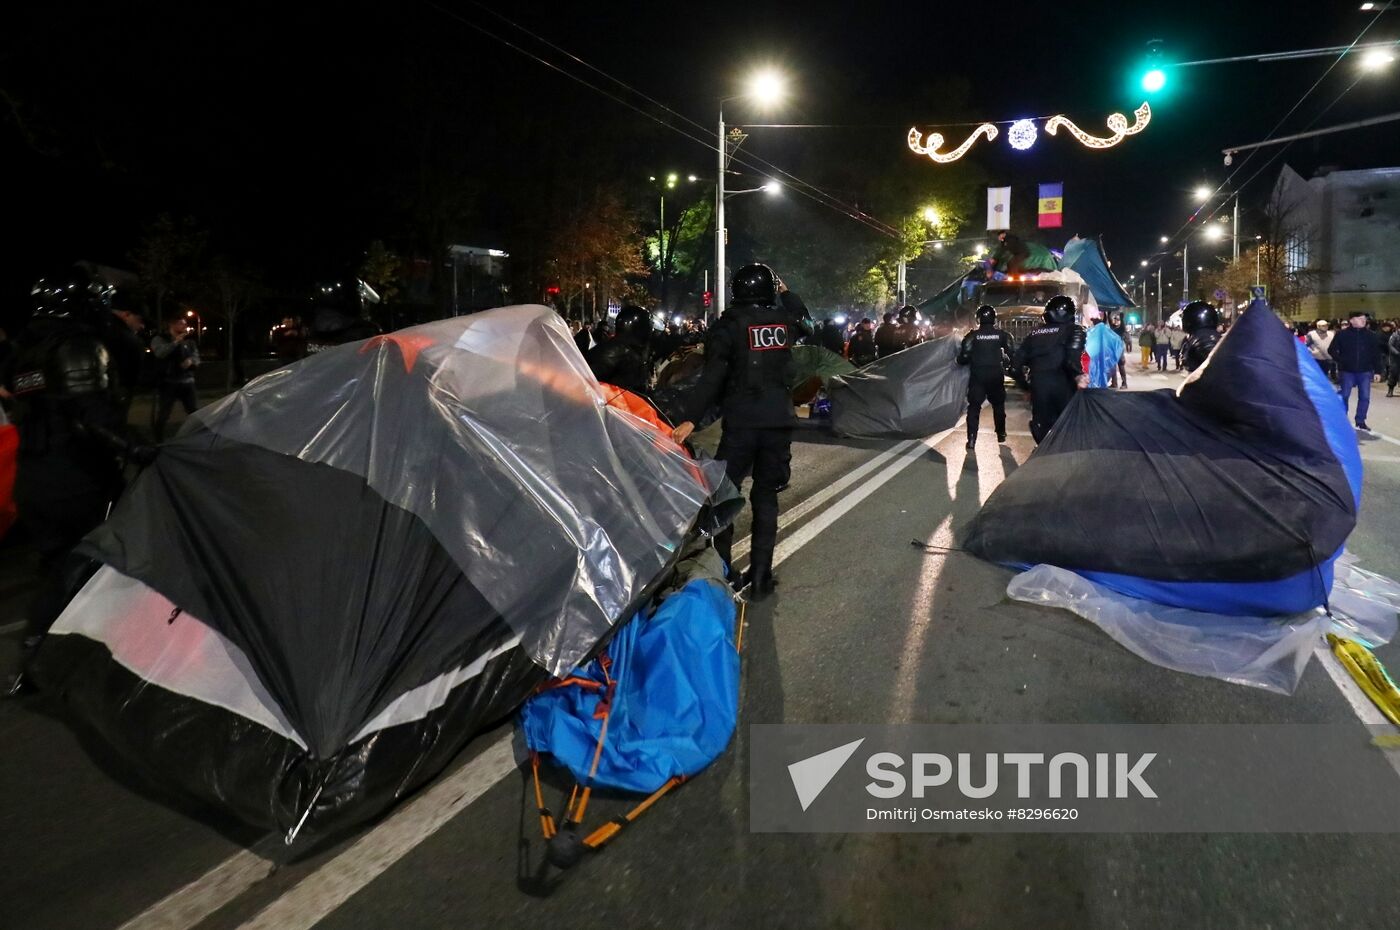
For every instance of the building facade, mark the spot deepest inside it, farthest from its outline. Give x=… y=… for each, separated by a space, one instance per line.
x=1348 y=230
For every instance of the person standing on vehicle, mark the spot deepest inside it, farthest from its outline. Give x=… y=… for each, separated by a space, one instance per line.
x=1357 y=355
x=747 y=362
x=986 y=351
x=178 y=356
x=1052 y=352
x=625 y=359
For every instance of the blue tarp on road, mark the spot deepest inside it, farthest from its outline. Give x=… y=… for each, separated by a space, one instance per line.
x=675 y=702
x=1085 y=258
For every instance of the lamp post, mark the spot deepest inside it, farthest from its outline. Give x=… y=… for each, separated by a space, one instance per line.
x=766 y=87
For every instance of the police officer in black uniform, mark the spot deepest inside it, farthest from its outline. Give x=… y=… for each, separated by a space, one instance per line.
x=624 y=360
x=986 y=350
x=746 y=368
x=908 y=331
x=1053 y=354
x=70 y=405
x=1201 y=323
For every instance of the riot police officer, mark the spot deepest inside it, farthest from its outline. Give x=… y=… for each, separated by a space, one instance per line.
x=1201 y=323
x=1053 y=354
x=70 y=409
x=986 y=350
x=625 y=359
x=909 y=334
x=746 y=368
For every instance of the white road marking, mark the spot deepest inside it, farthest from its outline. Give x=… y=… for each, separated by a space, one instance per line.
x=318 y=894
x=829 y=516
x=205 y=895
x=787 y=518
x=330 y=886
x=1367 y=712
x=1384 y=438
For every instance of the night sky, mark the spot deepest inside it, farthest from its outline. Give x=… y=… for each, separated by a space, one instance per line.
x=298 y=133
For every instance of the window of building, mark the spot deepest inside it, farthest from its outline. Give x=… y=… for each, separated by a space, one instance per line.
x=1295 y=254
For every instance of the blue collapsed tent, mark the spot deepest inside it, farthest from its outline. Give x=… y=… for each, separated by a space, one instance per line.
x=1233 y=495
x=1085 y=257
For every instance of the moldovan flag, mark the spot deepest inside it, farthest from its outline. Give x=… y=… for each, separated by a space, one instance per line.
x=998 y=208
x=1052 y=205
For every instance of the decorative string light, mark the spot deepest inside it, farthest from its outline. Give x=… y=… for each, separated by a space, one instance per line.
x=935 y=141
x=1117 y=124
x=1022 y=134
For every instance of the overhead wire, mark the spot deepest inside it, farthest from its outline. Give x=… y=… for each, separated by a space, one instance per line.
x=1224 y=185
x=799 y=185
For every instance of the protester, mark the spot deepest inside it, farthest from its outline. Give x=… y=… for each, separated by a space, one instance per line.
x=746 y=367
x=1119 y=376
x=1105 y=350
x=1175 y=338
x=908 y=331
x=582 y=338
x=178 y=356
x=1357 y=356
x=1393 y=345
x=833 y=338
x=1147 y=341
x=1161 y=345
x=1319 y=344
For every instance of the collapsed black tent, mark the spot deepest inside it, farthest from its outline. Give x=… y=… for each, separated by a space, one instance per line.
x=336 y=576
x=907 y=395
x=1233 y=495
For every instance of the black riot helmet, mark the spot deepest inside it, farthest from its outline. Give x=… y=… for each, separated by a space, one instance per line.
x=908 y=314
x=633 y=324
x=755 y=284
x=1199 y=315
x=986 y=315
x=890 y=317
x=1060 y=309
x=71 y=293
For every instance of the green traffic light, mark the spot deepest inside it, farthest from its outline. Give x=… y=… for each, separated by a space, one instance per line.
x=1154 y=80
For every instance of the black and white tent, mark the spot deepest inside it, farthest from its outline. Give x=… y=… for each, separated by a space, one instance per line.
x=336 y=576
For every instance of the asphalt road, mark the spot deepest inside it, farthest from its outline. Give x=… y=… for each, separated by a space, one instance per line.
x=865 y=628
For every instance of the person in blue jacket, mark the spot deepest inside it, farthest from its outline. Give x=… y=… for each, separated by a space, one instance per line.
x=1357 y=355
x=1105 y=350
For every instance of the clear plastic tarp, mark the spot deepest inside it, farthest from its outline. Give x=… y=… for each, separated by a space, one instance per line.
x=1269 y=653
x=491 y=429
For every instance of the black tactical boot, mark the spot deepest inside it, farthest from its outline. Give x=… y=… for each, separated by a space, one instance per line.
x=760 y=574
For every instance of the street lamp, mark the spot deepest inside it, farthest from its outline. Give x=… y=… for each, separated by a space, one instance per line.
x=1203 y=193
x=1164 y=240
x=1376 y=59
x=931 y=216
x=765 y=87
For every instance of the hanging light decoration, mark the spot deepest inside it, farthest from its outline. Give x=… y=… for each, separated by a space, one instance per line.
x=1022 y=134
x=935 y=142
x=1117 y=124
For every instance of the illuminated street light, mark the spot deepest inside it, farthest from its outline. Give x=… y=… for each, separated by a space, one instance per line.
x=691 y=178
x=1376 y=59
x=931 y=216
x=772 y=187
x=1143 y=263
x=1215 y=232
x=767 y=87
x=980 y=249
x=1203 y=193
x=1165 y=240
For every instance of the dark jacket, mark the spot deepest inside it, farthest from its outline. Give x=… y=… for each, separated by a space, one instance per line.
x=747 y=362
x=887 y=339
x=863 y=350
x=1394 y=343
x=1356 y=350
x=986 y=349
x=1052 y=348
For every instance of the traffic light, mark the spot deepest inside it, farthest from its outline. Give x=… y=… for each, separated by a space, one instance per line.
x=1152 y=70
x=706 y=299
x=1153 y=80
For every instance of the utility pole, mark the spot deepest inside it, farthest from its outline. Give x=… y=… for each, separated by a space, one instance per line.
x=1161 y=311
x=1237 y=226
x=1186 y=271
x=720 y=232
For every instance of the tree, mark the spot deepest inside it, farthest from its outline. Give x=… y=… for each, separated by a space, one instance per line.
x=596 y=243
x=230 y=287
x=681 y=248
x=1283 y=259
x=383 y=270
x=166 y=257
